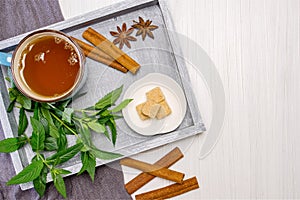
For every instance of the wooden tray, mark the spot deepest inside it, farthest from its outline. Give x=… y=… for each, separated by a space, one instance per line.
x=159 y=55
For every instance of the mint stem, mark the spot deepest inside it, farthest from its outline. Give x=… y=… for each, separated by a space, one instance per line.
x=65 y=125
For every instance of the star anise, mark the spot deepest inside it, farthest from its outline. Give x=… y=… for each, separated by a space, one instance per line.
x=145 y=28
x=123 y=36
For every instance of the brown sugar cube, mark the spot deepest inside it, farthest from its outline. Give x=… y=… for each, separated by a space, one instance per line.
x=155 y=95
x=161 y=113
x=139 y=111
x=164 y=110
x=150 y=109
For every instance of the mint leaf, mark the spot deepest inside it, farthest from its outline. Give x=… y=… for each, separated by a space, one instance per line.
x=88 y=164
x=38 y=135
x=84 y=160
x=40 y=182
x=51 y=144
x=13 y=93
x=29 y=173
x=106 y=134
x=45 y=105
x=7 y=79
x=63 y=171
x=65 y=155
x=103 y=120
x=104 y=155
x=11 y=105
x=63 y=104
x=24 y=101
x=53 y=131
x=59 y=183
x=62 y=141
x=12 y=144
x=67 y=115
x=99 y=128
x=23 y=122
x=45 y=124
x=109 y=99
x=112 y=125
x=122 y=105
x=85 y=134
x=46 y=114
x=36 y=111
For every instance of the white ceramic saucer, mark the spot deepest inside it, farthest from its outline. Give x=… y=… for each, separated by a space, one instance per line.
x=173 y=94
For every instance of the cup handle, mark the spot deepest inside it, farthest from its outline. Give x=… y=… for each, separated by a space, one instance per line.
x=5 y=59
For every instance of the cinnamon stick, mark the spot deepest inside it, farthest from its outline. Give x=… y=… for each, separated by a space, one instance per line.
x=143 y=178
x=98 y=55
x=170 y=191
x=154 y=170
x=112 y=50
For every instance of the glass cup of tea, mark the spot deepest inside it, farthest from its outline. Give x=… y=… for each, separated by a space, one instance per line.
x=48 y=66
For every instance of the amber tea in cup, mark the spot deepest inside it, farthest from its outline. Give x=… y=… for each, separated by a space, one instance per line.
x=48 y=66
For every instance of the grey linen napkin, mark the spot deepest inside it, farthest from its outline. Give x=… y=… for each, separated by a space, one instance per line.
x=18 y=17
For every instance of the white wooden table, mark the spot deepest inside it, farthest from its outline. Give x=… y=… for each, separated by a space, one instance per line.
x=255 y=47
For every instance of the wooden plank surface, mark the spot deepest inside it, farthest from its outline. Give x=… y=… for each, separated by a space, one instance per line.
x=255 y=47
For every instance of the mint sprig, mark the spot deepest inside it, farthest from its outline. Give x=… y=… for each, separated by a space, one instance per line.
x=29 y=173
x=51 y=123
